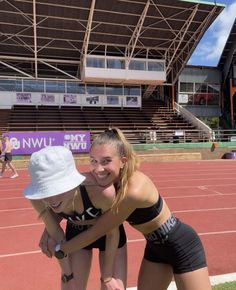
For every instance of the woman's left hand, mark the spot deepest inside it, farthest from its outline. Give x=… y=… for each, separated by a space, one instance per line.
x=113 y=284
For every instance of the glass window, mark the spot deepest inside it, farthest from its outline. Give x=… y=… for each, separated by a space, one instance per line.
x=213 y=99
x=156 y=66
x=137 y=65
x=190 y=99
x=214 y=89
x=95 y=62
x=112 y=100
x=55 y=87
x=115 y=63
x=114 y=90
x=185 y=99
x=11 y=85
x=75 y=88
x=200 y=99
x=186 y=87
x=33 y=86
x=200 y=88
x=96 y=89
x=135 y=91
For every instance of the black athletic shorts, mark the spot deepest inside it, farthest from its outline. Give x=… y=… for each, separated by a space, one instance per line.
x=73 y=230
x=181 y=248
x=7 y=157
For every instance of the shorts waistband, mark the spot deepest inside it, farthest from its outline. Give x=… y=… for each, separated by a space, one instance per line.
x=161 y=235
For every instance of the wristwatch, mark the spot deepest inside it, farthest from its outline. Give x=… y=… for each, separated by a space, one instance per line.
x=66 y=278
x=59 y=254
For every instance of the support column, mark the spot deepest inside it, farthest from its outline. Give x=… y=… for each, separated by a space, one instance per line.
x=173 y=97
x=232 y=91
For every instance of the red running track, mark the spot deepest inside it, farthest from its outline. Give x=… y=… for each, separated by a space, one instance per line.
x=201 y=193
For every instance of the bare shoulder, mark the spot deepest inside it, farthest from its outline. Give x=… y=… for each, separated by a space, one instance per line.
x=141 y=189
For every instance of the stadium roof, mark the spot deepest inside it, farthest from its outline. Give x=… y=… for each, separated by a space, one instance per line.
x=228 y=55
x=47 y=38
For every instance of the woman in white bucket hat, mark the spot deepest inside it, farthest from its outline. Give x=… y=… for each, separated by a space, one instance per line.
x=59 y=191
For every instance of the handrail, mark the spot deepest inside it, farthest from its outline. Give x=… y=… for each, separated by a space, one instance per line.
x=137 y=135
x=194 y=120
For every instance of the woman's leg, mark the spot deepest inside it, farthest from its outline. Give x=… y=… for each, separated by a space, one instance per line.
x=120 y=266
x=12 y=167
x=81 y=264
x=195 y=280
x=3 y=167
x=154 y=276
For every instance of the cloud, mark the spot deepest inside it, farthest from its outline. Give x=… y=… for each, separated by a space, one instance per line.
x=209 y=50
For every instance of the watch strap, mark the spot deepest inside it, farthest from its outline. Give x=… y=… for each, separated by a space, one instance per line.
x=66 y=278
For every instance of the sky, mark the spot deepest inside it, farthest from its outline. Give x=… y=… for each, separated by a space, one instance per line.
x=209 y=49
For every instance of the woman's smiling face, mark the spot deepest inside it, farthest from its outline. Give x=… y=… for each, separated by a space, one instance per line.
x=105 y=164
x=61 y=202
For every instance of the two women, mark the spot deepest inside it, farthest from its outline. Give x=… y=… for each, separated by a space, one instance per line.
x=172 y=247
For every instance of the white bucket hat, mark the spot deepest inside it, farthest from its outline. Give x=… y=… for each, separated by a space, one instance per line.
x=53 y=171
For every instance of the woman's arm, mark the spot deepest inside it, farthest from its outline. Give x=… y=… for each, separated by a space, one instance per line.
x=112 y=242
x=104 y=224
x=55 y=231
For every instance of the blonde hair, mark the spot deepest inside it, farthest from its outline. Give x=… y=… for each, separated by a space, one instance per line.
x=116 y=138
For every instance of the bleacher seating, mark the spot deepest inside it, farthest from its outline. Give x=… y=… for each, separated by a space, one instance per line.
x=4 y=118
x=152 y=123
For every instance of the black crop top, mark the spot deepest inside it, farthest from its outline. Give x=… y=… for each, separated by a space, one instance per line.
x=90 y=212
x=146 y=214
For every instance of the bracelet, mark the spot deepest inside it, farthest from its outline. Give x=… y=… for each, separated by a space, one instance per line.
x=106 y=280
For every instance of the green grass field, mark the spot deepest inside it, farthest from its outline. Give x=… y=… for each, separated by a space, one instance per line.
x=226 y=286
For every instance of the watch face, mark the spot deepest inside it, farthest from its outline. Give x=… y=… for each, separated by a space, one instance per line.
x=59 y=254
x=66 y=278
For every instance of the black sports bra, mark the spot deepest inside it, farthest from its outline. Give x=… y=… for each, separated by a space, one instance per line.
x=90 y=212
x=146 y=214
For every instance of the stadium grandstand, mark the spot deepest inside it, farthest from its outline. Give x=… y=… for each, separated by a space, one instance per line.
x=91 y=65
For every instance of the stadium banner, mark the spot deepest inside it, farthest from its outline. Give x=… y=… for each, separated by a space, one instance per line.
x=48 y=99
x=28 y=142
x=22 y=98
x=132 y=101
x=92 y=100
x=113 y=101
x=70 y=99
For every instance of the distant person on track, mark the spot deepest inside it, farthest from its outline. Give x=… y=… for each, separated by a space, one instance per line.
x=6 y=152
x=59 y=191
x=1 y=148
x=172 y=247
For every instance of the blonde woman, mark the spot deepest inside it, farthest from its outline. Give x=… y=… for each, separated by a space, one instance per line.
x=7 y=158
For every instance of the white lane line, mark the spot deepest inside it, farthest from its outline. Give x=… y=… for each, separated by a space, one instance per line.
x=215 y=280
x=194 y=186
x=215 y=193
x=217 y=233
x=20 y=226
x=203 y=209
x=20 y=254
x=16 y=209
x=10 y=198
